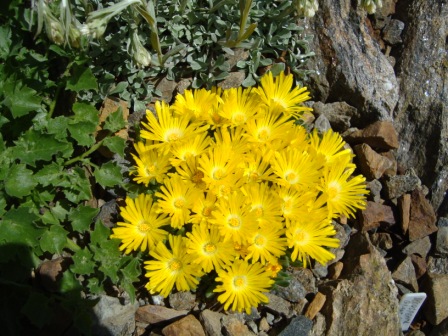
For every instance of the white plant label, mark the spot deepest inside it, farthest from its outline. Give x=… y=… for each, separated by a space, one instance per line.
x=409 y=305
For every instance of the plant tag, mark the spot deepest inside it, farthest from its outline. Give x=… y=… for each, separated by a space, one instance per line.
x=409 y=305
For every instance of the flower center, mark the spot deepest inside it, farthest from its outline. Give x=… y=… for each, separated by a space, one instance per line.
x=239 y=281
x=174 y=265
x=143 y=227
x=210 y=248
x=301 y=237
x=260 y=240
x=259 y=211
x=279 y=102
x=218 y=173
x=234 y=222
x=263 y=134
x=239 y=117
x=150 y=169
x=333 y=190
x=179 y=202
x=173 y=135
x=291 y=177
x=254 y=176
x=207 y=211
x=197 y=177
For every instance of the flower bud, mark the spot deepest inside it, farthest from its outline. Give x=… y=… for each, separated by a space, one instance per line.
x=138 y=52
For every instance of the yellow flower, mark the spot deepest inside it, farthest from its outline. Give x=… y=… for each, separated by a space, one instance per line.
x=233 y=140
x=296 y=137
x=265 y=205
x=256 y=168
x=203 y=206
x=238 y=105
x=277 y=93
x=273 y=268
x=190 y=173
x=208 y=249
x=234 y=218
x=295 y=168
x=176 y=200
x=331 y=147
x=297 y=204
x=343 y=193
x=308 y=237
x=243 y=286
x=142 y=226
x=195 y=103
x=188 y=149
x=167 y=129
x=171 y=268
x=266 y=244
x=151 y=165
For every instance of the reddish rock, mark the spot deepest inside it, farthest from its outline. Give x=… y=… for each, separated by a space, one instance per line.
x=392 y=170
x=374 y=215
x=315 y=305
x=423 y=219
x=371 y=164
x=420 y=265
x=383 y=240
x=404 y=208
x=187 y=326
x=151 y=314
x=380 y=135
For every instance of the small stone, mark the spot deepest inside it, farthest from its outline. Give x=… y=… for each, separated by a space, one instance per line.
x=211 y=321
x=263 y=325
x=112 y=318
x=442 y=237
x=380 y=135
x=49 y=273
x=299 y=326
x=278 y=305
x=438 y=265
x=166 y=87
x=374 y=214
x=315 y=306
x=382 y=240
x=294 y=292
x=234 y=80
x=320 y=271
x=253 y=326
x=234 y=325
x=422 y=217
x=375 y=190
x=322 y=124
x=405 y=273
x=338 y=114
x=187 y=326
x=334 y=270
x=392 y=170
x=404 y=208
x=435 y=307
x=182 y=300
x=395 y=186
x=183 y=85
x=152 y=314
x=299 y=307
x=371 y=164
x=419 y=265
x=306 y=278
x=319 y=326
x=419 y=246
x=392 y=32
x=270 y=318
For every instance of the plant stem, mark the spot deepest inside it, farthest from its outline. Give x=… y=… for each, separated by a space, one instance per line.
x=54 y=102
x=72 y=246
x=83 y=155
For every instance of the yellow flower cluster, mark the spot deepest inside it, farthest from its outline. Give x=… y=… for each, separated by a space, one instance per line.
x=239 y=183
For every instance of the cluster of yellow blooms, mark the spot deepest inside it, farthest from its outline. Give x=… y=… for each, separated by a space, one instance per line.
x=239 y=182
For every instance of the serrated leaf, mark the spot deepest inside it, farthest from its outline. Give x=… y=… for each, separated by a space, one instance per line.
x=94 y=286
x=54 y=239
x=116 y=145
x=114 y=121
x=37 y=309
x=108 y=175
x=5 y=41
x=19 y=181
x=86 y=113
x=77 y=185
x=83 y=262
x=58 y=127
x=82 y=217
x=82 y=79
x=82 y=132
x=69 y=283
x=99 y=234
x=35 y=146
x=18 y=227
x=49 y=174
x=19 y=98
x=109 y=258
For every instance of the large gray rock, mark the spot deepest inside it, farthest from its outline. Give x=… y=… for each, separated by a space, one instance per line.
x=364 y=295
x=421 y=115
x=349 y=62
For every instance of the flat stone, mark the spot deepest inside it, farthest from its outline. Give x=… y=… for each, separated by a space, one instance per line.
x=338 y=114
x=422 y=220
x=420 y=265
x=182 y=300
x=263 y=325
x=299 y=326
x=334 y=270
x=392 y=170
x=166 y=88
x=294 y=292
x=382 y=240
x=306 y=278
x=380 y=135
x=186 y=326
x=322 y=124
x=315 y=305
x=435 y=307
x=234 y=80
x=419 y=246
x=374 y=215
x=371 y=164
x=392 y=32
x=319 y=326
x=279 y=305
x=404 y=209
x=395 y=186
x=405 y=273
x=442 y=237
x=152 y=314
x=211 y=322
x=375 y=190
x=234 y=325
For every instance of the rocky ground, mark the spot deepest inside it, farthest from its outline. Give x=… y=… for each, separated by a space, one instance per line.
x=382 y=82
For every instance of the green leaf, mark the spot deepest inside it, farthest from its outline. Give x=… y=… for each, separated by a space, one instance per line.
x=109 y=258
x=81 y=217
x=120 y=87
x=82 y=132
x=54 y=240
x=94 y=286
x=108 y=175
x=5 y=42
x=82 y=79
x=19 y=98
x=20 y=181
x=77 y=185
x=69 y=283
x=116 y=145
x=132 y=270
x=49 y=174
x=37 y=309
x=34 y=146
x=18 y=227
x=114 y=121
x=276 y=68
x=58 y=127
x=85 y=112
x=249 y=81
x=83 y=262
x=100 y=233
